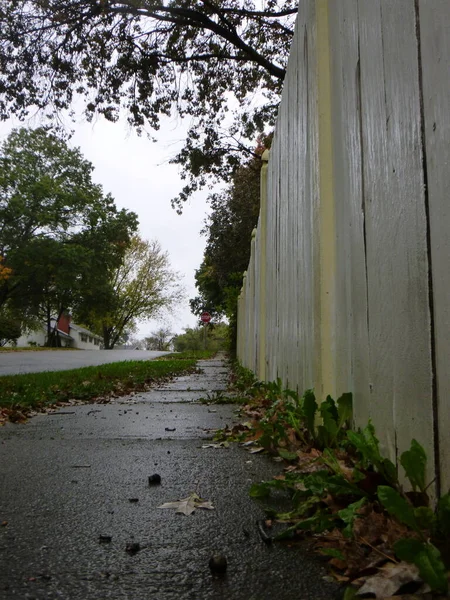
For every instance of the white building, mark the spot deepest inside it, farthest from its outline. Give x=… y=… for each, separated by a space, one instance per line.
x=83 y=338
x=70 y=335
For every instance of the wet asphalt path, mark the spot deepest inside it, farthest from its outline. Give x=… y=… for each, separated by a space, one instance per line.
x=62 y=360
x=67 y=478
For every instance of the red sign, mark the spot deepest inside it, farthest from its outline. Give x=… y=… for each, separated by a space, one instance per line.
x=205 y=317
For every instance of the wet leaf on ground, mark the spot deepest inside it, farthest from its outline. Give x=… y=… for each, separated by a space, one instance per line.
x=187 y=506
x=218 y=445
x=389 y=580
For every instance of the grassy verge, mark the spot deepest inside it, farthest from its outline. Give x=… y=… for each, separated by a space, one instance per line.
x=37 y=390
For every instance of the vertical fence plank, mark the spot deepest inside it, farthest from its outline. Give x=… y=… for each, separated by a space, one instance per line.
x=411 y=328
x=435 y=52
x=352 y=346
x=262 y=228
x=379 y=234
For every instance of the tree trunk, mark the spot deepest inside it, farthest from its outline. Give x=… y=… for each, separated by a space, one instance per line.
x=107 y=338
x=48 y=317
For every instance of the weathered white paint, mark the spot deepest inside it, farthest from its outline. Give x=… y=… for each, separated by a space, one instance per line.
x=434 y=32
x=357 y=243
x=261 y=244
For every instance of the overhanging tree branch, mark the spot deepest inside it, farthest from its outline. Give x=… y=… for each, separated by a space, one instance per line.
x=192 y=18
x=151 y=58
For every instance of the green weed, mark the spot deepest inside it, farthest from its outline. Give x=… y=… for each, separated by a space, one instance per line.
x=339 y=476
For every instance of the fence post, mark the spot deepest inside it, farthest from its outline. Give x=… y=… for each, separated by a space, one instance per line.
x=327 y=236
x=262 y=226
x=252 y=308
x=244 y=327
x=238 y=326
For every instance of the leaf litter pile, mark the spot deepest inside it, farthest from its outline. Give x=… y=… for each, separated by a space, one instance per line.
x=381 y=541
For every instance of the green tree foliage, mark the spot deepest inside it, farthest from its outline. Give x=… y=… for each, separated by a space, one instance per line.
x=59 y=234
x=141 y=287
x=153 y=58
x=10 y=327
x=193 y=338
x=228 y=229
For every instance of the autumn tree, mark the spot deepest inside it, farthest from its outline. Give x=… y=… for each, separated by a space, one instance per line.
x=59 y=233
x=142 y=287
x=5 y=272
x=154 y=58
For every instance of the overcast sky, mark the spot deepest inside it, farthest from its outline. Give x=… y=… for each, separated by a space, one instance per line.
x=137 y=174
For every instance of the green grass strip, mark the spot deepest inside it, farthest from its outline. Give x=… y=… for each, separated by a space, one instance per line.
x=34 y=390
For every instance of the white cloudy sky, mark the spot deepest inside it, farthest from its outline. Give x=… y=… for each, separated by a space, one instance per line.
x=136 y=172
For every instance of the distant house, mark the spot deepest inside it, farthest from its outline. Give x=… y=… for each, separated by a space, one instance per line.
x=70 y=335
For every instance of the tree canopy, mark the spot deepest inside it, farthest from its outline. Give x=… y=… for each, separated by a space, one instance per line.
x=228 y=230
x=10 y=328
x=152 y=58
x=59 y=234
x=141 y=287
x=203 y=337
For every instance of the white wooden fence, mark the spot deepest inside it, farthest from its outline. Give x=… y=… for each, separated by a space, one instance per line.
x=348 y=285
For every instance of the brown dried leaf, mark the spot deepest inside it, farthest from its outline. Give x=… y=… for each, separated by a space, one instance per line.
x=338 y=563
x=390 y=579
x=315 y=453
x=339 y=577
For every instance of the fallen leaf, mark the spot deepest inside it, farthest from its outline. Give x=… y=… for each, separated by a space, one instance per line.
x=186 y=506
x=219 y=445
x=389 y=580
x=256 y=450
x=338 y=563
x=339 y=577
